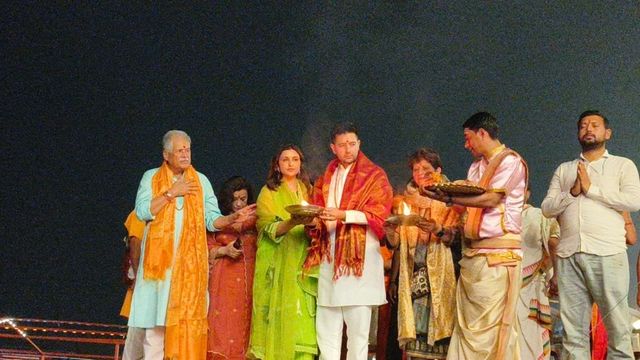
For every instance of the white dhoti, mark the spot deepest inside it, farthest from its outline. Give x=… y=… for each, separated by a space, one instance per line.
x=486 y=328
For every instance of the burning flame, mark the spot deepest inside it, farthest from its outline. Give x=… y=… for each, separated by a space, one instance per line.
x=406 y=210
x=304 y=203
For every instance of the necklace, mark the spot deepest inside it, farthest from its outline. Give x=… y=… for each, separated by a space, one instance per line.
x=179 y=208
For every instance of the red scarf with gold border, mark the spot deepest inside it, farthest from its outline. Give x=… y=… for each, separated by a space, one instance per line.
x=366 y=189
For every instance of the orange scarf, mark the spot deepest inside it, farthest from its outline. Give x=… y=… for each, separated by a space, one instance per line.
x=474 y=215
x=134 y=226
x=186 y=323
x=366 y=189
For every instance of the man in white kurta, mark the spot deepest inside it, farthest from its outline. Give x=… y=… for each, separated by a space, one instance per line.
x=174 y=189
x=357 y=198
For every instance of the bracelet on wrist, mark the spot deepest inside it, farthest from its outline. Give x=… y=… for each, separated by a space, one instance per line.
x=168 y=195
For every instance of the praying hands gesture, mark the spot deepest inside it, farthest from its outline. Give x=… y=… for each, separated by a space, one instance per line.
x=582 y=183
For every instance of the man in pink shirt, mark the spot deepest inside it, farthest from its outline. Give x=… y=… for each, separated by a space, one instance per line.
x=490 y=275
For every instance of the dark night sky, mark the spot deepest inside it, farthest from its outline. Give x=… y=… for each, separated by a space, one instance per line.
x=88 y=91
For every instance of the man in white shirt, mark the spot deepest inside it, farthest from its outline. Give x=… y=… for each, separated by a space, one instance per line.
x=588 y=196
x=356 y=197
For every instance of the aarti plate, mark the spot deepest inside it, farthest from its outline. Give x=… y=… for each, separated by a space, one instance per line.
x=408 y=220
x=304 y=210
x=455 y=189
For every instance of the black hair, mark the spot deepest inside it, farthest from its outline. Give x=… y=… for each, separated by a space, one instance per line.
x=483 y=120
x=343 y=128
x=428 y=154
x=231 y=185
x=593 y=112
x=274 y=176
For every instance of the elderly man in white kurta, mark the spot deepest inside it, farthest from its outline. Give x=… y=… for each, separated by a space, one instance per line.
x=357 y=198
x=170 y=296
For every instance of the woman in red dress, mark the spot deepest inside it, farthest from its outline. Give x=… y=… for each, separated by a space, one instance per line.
x=232 y=254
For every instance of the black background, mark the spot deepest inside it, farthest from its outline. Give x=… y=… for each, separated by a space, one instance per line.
x=88 y=90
